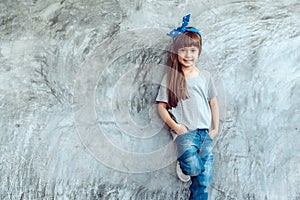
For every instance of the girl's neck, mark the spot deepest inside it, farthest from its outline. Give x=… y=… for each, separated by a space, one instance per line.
x=190 y=72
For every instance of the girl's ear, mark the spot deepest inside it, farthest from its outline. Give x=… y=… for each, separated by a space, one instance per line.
x=200 y=50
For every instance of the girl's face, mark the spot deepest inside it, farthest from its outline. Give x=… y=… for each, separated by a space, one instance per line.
x=188 y=56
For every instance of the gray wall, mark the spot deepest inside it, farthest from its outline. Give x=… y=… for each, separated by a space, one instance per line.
x=78 y=81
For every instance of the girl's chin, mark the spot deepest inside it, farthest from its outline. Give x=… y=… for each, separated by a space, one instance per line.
x=188 y=65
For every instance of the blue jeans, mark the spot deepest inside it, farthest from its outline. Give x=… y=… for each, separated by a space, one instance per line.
x=194 y=151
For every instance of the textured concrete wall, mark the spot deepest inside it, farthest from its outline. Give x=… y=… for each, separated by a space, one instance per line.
x=78 y=81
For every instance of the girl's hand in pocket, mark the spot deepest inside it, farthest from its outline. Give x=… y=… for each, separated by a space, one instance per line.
x=213 y=133
x=181 y=129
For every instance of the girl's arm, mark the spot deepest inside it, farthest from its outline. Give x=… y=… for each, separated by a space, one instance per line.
x=213 y=103
x=164 y=114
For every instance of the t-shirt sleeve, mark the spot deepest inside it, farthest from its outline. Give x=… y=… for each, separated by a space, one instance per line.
x=212 y=92
x=162 y=92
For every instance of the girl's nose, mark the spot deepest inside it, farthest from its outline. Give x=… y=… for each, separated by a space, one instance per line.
x=188 y=54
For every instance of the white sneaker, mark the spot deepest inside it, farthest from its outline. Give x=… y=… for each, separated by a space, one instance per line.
x=181 y=175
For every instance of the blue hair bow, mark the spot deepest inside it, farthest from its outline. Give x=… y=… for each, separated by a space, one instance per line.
x=180 y=30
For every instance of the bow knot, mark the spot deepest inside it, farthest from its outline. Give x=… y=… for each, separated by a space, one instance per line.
x=180 y=30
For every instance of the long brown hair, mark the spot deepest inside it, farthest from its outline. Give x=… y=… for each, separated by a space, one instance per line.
x=176 y=82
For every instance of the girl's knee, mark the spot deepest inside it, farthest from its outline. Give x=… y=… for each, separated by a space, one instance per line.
x=191 y=163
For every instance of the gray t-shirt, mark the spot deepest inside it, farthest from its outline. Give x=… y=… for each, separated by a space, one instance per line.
x=193 y=112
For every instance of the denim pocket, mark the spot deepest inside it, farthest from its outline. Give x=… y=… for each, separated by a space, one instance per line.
x=184 y=136
x=188 y=131
x=207 y=135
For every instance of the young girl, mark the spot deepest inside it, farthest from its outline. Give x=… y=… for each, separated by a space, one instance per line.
x=188 y=105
